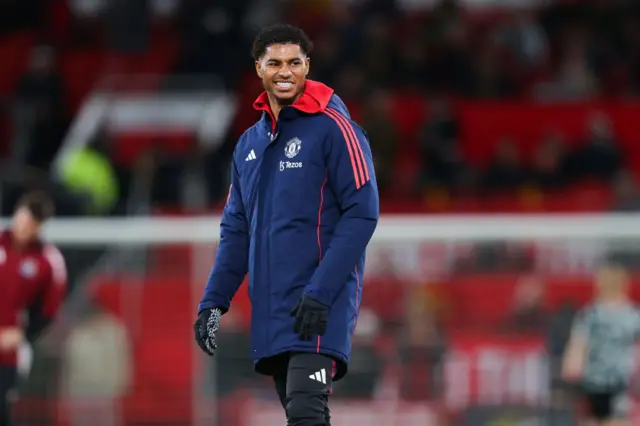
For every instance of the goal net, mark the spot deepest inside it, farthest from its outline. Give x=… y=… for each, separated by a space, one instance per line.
x=463 y=320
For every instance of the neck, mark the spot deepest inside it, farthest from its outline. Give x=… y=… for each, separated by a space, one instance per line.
x=19 y=245
x=614 y=299
x=276 y=106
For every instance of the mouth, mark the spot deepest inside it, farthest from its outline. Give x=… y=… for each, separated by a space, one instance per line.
x=284 y=85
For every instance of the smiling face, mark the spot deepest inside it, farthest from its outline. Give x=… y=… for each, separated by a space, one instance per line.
x=283 y=69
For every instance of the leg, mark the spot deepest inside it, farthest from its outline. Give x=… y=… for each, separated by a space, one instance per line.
x=620 y=406
x=309 y=379
x=614 y=422
x=593 y=403
x=278 y=367
x=280 y=382
x=7 y=380
x=603 y=409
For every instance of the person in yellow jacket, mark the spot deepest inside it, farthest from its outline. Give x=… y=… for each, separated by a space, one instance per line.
x=88 y=172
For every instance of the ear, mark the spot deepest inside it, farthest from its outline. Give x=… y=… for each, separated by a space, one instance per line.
x=259 y=69
x=308 y=65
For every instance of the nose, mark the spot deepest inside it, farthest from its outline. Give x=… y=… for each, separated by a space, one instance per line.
x=285 y=71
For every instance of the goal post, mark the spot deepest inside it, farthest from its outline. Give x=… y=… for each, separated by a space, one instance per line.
x=462 y=279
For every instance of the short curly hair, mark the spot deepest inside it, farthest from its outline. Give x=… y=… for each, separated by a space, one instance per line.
x=280 y=34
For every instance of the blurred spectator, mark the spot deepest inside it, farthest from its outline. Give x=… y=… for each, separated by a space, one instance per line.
x=176 y=177
x=87 y=8
x=138 y=184
x=43 y=122
x=632 y=52
x=17 y=178
x=348 y=27
x=18 y=15
x=85 y=22
x=87 y=172
x=128 y=24
x=326 y=59
x=194 y=194
x=206 y=24
x=217 y=155
x=525 y=39
x=505 y=171
x=558 y=332
x=447 y=11
x=575 y=79
x=262 y=13
x=548 y=170
x=451 y=50
x=528 y=314
x=378 y=56
x=440 y=147
x=560 y=328
x=450 y=67
x=351 y=83
x=627 y=196
x=490 y=79
x=382 y=135
x=421 y=348
x=97 y=369
x=388 y=8
x=599 y=156
x=493 y=257
x=412 y=69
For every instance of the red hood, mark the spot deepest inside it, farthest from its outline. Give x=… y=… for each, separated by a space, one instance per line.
x=314 y=99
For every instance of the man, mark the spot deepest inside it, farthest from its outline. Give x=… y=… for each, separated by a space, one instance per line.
x=601 y=350
x=32 y=282
x=302 y=207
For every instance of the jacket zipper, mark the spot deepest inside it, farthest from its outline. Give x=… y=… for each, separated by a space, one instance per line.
x=266 y=179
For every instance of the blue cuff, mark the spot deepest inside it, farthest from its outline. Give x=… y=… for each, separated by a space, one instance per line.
x=318 y=295
x=211 y=305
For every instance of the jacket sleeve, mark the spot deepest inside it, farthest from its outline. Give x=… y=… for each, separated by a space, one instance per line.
x=232 y=258
x=45 y=307
x=351 y=177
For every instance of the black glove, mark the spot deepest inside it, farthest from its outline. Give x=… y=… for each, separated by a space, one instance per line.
x=311 y=318
x=205 y=328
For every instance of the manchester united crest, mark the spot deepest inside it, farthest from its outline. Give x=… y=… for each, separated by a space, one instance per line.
x=292 y=148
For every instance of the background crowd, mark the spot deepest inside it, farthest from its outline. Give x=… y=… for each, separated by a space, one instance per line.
x=376 y=55
x=470 y=107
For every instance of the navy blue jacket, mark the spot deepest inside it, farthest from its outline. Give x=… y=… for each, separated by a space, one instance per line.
x=302 y=207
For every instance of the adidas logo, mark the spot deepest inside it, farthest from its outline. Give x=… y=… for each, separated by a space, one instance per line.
x=251 y=156
x=319 y=376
